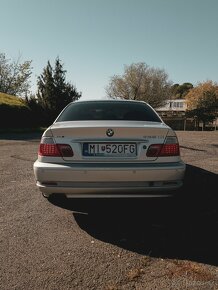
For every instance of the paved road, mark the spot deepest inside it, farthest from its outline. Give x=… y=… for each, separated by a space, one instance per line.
x=108 y=244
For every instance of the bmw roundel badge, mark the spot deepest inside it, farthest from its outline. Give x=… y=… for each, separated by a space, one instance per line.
x=110 y=132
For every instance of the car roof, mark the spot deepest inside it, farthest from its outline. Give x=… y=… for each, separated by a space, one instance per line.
x=108 y=101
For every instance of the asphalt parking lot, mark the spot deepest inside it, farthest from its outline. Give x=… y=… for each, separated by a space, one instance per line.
x=108 y=244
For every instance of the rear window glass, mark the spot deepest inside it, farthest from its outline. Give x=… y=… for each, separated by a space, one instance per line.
x=108 y=110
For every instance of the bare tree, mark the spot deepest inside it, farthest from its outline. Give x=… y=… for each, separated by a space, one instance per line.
x=14 y=76
x=141 y=82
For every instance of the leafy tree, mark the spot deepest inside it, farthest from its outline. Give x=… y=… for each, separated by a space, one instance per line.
x=14 y=76
x=67 y=91
x=141 y=82
x=202 y=102
x=46 y=89
x=180 y=91
x=54 y=93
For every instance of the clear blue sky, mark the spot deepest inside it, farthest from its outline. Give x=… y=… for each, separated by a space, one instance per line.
x=96 y=38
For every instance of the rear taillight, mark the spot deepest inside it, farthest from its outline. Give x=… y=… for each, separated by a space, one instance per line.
x=66 y=150
x=154 y=150
x=49 y=148
x=169 y=148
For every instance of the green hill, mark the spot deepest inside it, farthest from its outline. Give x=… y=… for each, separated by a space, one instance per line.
x=14 y=113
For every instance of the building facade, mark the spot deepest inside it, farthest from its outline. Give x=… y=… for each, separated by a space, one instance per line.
x=173 y=114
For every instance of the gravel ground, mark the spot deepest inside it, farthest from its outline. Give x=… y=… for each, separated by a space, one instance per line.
x=108 y=244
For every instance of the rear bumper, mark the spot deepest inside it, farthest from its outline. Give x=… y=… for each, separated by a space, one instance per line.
x=109 y=180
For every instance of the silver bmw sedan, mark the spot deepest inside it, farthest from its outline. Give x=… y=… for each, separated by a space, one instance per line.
x=109 y=148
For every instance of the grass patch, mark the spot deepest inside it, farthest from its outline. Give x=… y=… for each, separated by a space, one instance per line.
x=10 y=100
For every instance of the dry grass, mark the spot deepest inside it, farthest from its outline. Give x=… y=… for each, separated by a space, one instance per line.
x=191 y=269
x=11 y=100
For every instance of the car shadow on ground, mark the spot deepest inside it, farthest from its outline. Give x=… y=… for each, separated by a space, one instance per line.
x=183 y=227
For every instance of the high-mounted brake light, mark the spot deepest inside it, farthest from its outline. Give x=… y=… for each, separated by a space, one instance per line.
x=169 y=148
x=49 y=148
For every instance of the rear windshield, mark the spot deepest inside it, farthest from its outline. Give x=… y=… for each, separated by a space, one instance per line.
x=103 y=110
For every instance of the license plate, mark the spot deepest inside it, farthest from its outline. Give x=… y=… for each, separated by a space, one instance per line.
x=110 y=149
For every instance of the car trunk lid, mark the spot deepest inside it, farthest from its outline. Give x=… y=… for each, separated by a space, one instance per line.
x=120 y=134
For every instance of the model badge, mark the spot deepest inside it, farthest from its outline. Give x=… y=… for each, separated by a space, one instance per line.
x=110 y=132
